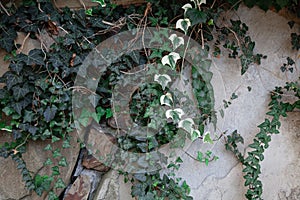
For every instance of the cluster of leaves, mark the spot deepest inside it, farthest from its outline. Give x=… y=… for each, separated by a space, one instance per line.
x=241 y=46
x=251 y=162
x=288 y=66
x=295 y=40
x=153 y=185
x=36 y=98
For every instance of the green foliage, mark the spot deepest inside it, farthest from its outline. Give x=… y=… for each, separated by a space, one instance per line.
x=241 y=46
x=288 y=66
x=36 y=97
x=251 y=162
x=295 y=41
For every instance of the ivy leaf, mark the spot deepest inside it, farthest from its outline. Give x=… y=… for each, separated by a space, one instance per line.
x=66 y=144
x=54 y=139
x=48 y=162
x=42 y=83
x=162 y=79
x=8 y=111
x=12 y=79
x=49 y=113
x=16 y=67
x=196 y=16
x=186 y=7
x=19 y=106
x=141 y=177
x=176 y=41
x=7 y=39
x=55 y=171
x=170 y=59
x=195 y=134
x=183 y=24
x=32 y=130
x=20 y=92
x=200 y=156
x=207 y=139
x=187 y=124
x=63 y=162
x=35 y=57
x=48 y=147
x=175 y=114
x=56 y=153
x=101 y=2
x=166 y=99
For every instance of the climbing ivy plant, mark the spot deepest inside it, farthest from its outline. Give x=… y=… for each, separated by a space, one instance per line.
x=261 y=141
x=36 y=98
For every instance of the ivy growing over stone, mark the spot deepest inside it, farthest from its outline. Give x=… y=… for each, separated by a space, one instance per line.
x=36 y=99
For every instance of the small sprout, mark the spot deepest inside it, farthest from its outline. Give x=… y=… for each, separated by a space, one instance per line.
x=207 y=138
x=210 y=22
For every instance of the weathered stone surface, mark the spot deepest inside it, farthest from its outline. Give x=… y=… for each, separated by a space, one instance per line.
x=95 y=178
x=80 y=189
x=12 y=186
x=108 y=187
x=90 y=162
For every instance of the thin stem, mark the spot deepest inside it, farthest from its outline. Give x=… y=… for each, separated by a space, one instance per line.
x=4 y=9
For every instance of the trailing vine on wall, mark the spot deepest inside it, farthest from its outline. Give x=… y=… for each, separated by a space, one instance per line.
x=36 y=98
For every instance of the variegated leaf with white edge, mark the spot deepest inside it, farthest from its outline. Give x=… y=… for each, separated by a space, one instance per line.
x=176 y=41
x=186 y=7
x=183 y=24
x=166 y=99
x=170 y=59
x=175 y=114
x=162 y=79
x=101 y=2
x=186 y=124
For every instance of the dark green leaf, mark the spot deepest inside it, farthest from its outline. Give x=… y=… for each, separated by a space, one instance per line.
x=35 y=57
x=49 y=113
x=20 y=92
x=7 y=39
x=16 y=67
x=12 y=79
x=196 y=16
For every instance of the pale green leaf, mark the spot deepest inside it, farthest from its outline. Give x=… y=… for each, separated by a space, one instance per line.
x=176 y=41
x=170 y=59
x=166 y=99
x=207 y=138
x=187 y=124
x=162 y=79
x=183 y=24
